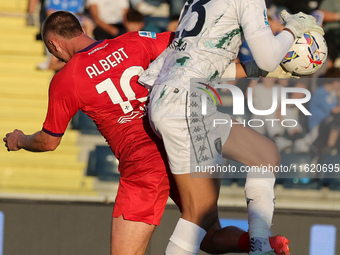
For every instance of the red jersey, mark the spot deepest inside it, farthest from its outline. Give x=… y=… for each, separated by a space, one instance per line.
x=101 y=81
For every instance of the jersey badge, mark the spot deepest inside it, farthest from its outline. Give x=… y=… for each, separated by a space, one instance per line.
x=265 y=18
x=147 y=34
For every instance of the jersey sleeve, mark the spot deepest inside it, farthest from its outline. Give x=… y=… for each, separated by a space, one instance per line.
x=253 y=18
x=269 y=50
x=156 y=43
x=149 y=76
x=158 y=54
x=62 y=105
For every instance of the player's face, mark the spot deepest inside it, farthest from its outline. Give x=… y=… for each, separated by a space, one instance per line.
x=55 y=53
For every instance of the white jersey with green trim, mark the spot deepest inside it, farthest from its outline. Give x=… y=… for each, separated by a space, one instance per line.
x=208 y=38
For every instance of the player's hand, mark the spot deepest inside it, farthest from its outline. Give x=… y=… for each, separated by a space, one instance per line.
x=300 y=23
x=280 y=73
x=11 y=140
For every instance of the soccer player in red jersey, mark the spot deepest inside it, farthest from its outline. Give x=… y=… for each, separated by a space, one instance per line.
x=100 y=79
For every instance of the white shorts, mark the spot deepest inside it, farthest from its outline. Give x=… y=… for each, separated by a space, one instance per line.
x=191 y=139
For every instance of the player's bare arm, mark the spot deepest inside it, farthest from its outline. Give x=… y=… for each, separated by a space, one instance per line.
x=38 y=142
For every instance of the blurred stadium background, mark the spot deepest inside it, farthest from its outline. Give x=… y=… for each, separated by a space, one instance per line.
x=60 y=202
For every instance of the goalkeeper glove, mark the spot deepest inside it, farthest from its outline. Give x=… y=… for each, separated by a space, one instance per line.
x=300 y=23
x=252 y=70
x=280 y=73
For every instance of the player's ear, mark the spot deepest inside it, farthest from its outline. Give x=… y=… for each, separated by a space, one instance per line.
x=54 y=44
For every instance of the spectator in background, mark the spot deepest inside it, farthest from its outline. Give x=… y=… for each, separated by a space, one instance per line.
x=324 y=123
x=156 y=14
x=172 y=25
x=36 y=7
x=330 y=10
x=76 y=7
x=174 y=12
x=133 y=21
x=108 y=17
x=31 y=9
x=333 y=50
x=331 y=19
x=295 y=6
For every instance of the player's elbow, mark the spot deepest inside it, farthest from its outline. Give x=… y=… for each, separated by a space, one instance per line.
x=49 y=146
x=267 y=64
x=46 y=141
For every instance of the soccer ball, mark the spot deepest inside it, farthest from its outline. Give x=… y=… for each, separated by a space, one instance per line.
x=306 y=55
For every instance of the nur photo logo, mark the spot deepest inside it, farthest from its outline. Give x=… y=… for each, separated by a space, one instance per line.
x=280 y=101
x=204 y=98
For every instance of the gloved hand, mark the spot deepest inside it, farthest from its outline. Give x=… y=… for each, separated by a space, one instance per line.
x=300 y=23
x=252 y=70
x=280 y=73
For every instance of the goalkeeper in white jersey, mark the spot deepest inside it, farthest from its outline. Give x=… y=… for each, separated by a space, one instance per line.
x=208 y=39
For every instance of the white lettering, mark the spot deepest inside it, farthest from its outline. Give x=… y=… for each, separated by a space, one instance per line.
x=262 y=112
x=238 y=100
x=97 y=70
x=122 y=51
x=91 y=72
x=107 y=63
x=298 y=102
x=117 y=56
x=272 y=121
x=291 y=120
x=255 y=120
x=288 y=123
x=220 y=122
x=104 y=64
x=112 y=63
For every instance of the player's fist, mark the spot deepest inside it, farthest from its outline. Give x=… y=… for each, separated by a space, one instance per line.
x=300 y=23
x=11 y=140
